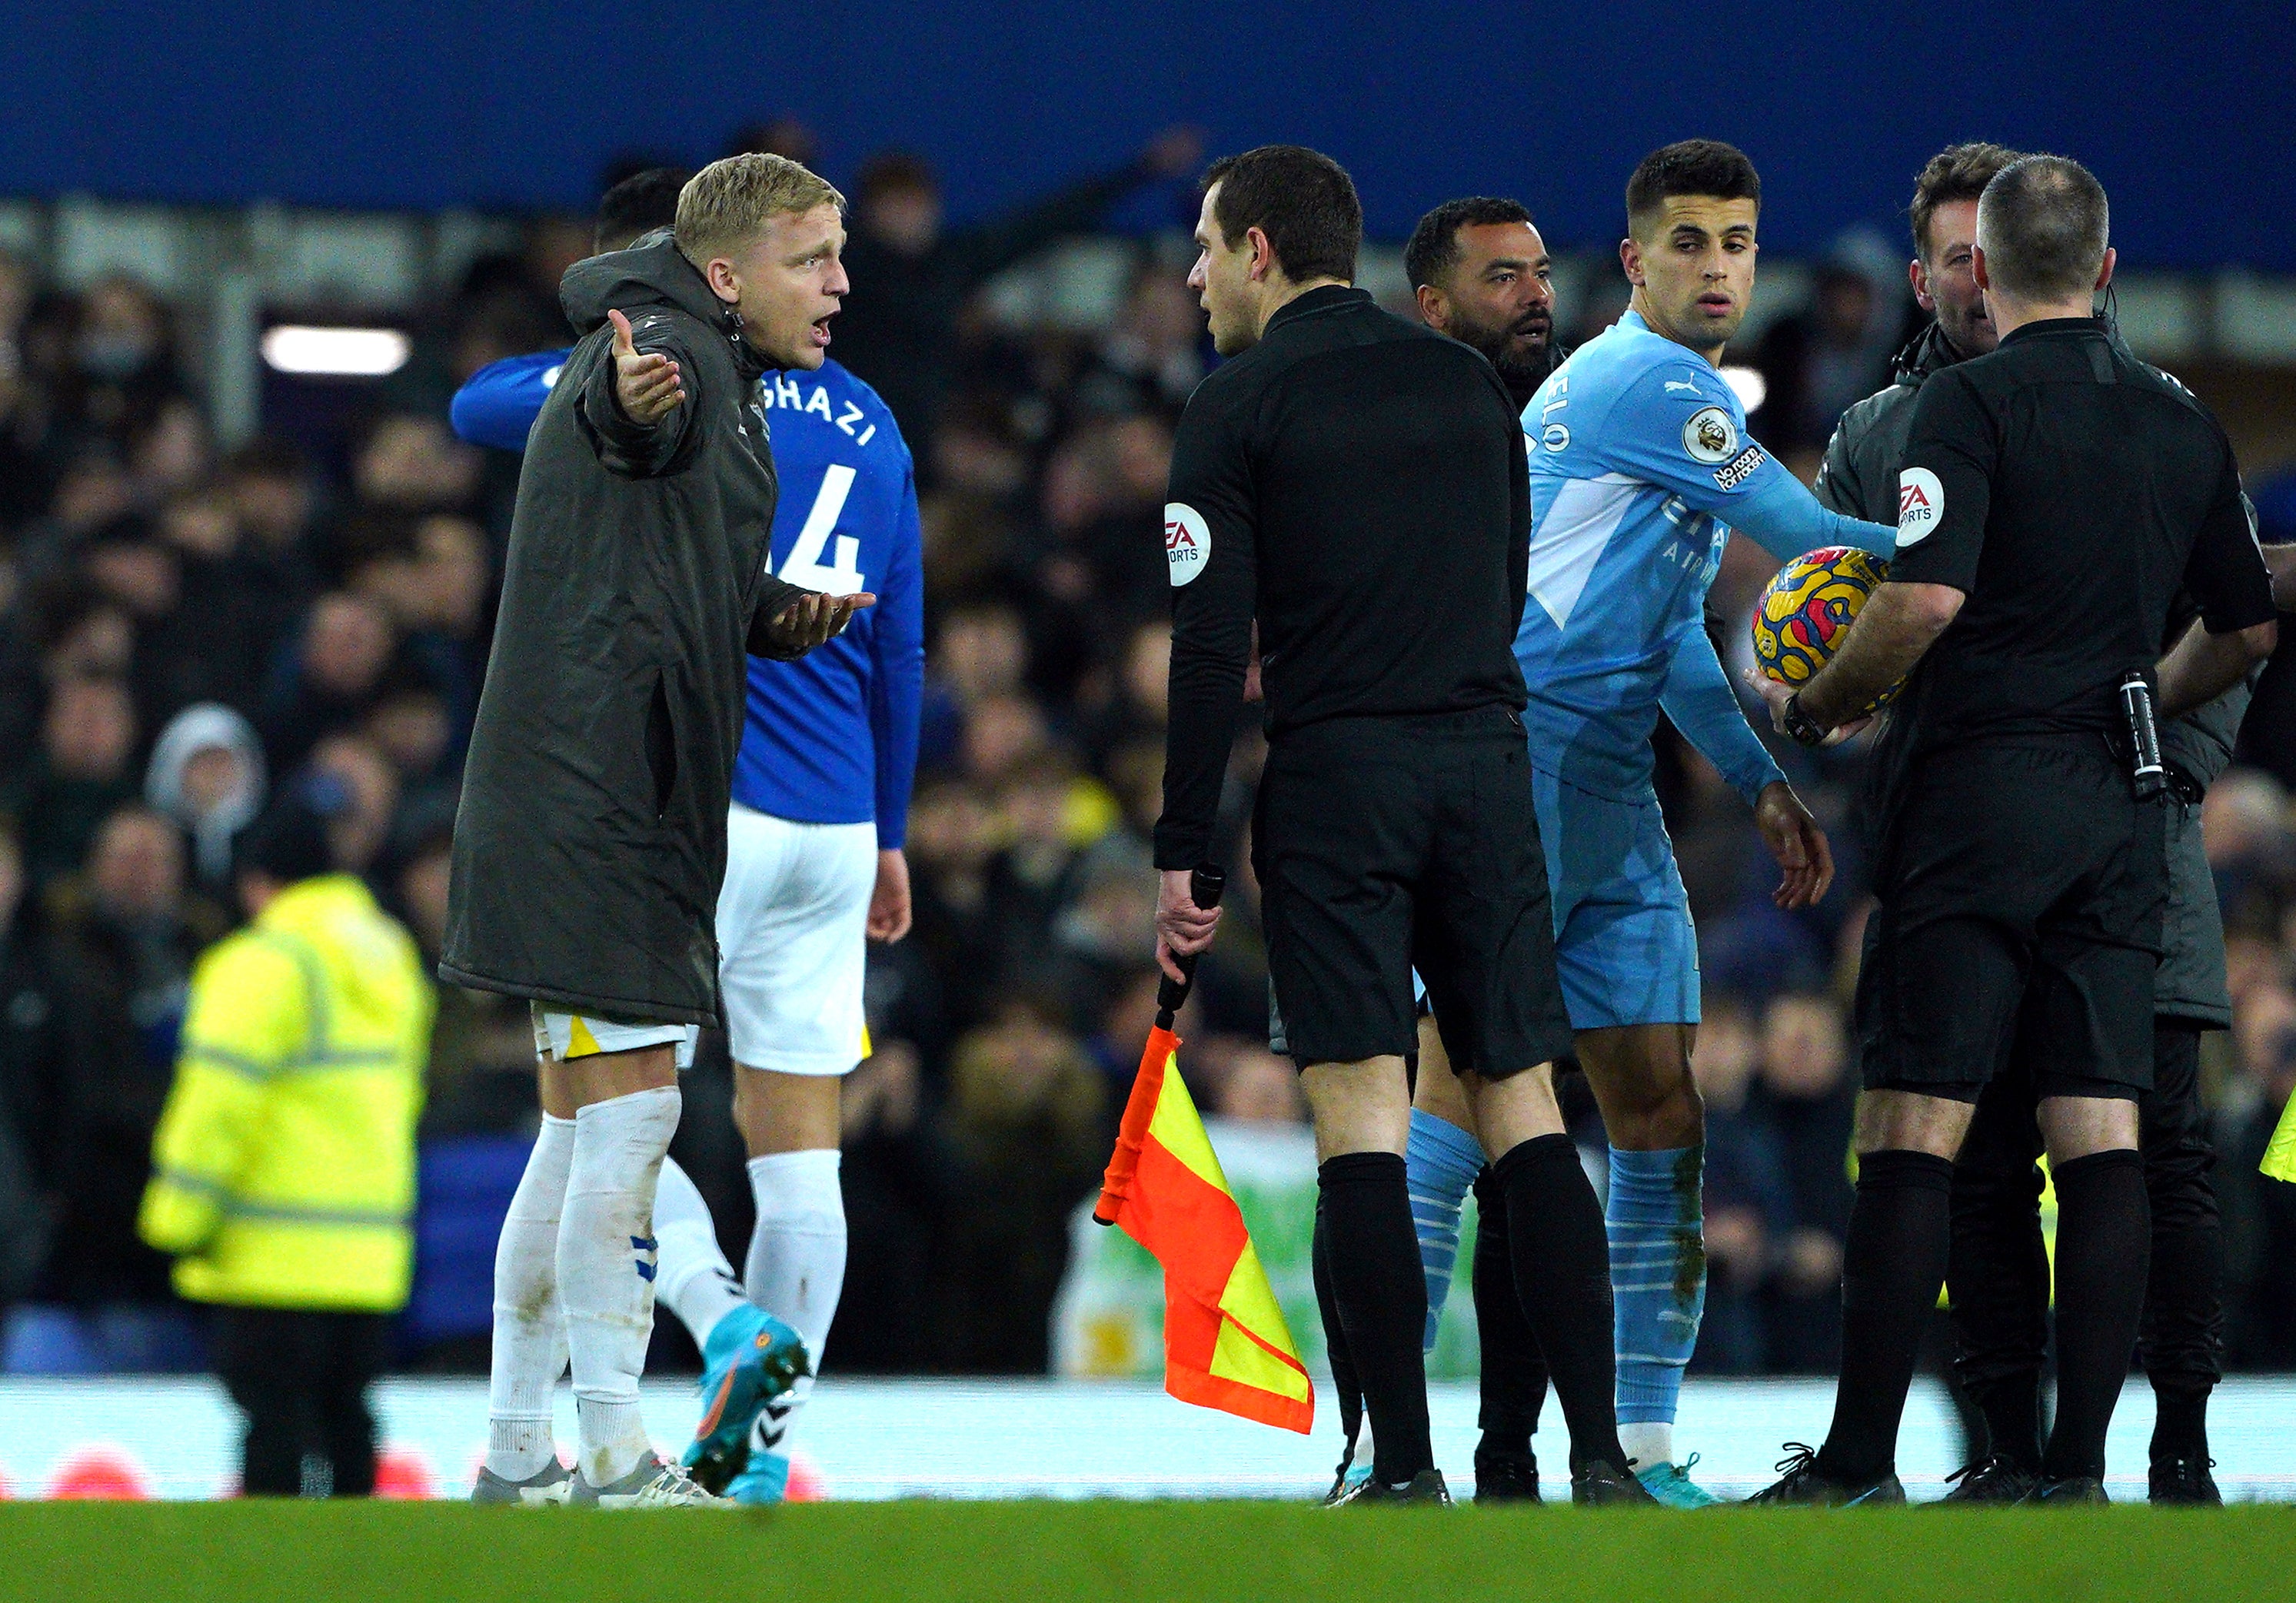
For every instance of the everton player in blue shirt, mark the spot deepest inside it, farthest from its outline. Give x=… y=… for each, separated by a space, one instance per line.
x=1640 y=467
x=813 y=867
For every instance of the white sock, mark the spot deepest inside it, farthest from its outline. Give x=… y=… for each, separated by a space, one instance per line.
x=606 y=1269
x=529 y=1348
x=696 y=1282
x=796 y=1266
x=1648 y=1443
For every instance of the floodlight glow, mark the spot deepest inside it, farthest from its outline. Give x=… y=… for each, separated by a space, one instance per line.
x=335 y=353
x=1749 y=384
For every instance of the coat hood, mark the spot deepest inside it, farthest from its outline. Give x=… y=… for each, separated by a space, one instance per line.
x=207 y=727
x=653 y=272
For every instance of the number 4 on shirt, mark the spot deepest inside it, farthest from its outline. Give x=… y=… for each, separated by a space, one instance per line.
x=805 y=567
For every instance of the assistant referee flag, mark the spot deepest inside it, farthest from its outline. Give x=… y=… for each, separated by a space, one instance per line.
x=1225 y=1344
x=2279 y=1156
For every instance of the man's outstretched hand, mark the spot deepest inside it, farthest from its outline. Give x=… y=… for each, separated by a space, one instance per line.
x=647 y=383
x=1798 y=844
x=812 y=618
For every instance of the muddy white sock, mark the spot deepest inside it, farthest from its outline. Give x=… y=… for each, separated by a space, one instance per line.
x=796 y=1265
x=529 y=1341
x=606 y=1269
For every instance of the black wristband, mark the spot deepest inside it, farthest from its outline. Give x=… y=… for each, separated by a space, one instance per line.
x=1800 y=728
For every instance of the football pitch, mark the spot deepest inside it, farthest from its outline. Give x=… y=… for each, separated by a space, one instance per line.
x=924 y=1551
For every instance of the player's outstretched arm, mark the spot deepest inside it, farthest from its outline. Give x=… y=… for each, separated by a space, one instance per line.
x=1675 y=427
x=636 y=409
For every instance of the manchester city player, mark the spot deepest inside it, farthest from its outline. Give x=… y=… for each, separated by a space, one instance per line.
x=1640 y=468
x=814 y=870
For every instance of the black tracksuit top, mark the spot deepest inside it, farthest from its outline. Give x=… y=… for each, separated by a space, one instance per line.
x=1358 y=484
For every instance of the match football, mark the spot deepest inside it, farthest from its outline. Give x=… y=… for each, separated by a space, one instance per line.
x=938 y=802
x=1804 y=611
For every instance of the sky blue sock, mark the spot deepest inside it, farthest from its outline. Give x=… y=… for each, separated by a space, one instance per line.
x=1442 y=1161
x=1658 y=1275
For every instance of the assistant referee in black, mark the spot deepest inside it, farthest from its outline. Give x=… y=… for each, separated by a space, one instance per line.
x=2053 y=497
x=1356 y=483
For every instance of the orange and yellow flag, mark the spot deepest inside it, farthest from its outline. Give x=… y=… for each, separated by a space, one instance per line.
x=1225 y=1344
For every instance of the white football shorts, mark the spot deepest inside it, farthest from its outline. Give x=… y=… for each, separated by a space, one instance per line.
x=567 y=1036
x=792 y=938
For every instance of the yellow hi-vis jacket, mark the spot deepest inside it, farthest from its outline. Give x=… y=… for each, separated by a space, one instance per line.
x=284 y=1171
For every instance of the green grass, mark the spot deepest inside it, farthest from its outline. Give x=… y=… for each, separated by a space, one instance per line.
x=921 y=1552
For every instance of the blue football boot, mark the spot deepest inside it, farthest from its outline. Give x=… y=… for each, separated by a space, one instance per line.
x=750 y=1359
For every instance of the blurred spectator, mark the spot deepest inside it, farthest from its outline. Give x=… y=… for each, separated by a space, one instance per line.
x=126 y=935
x=84 y=769
x=1750 y=1213
x=911 y=275
x=1805 y=1092
x=207 y=773
x=1819 y=362
x=359 y=832
x=34 y=1060
x=124 y=372
x=898 y=1178
x=2259 y=1215
x=329 y=680
x=1029 y=1136
x=1257 y=1087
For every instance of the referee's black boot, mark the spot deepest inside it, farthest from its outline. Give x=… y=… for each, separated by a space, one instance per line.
x=2185 y=1481
x=1802 y=1482
x=1994 y=1480
x=1601 y=1484
x=1502 y=1477
x=2064 y=1490
x=1426 y=1488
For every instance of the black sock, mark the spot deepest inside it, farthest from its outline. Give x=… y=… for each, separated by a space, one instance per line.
x=1335 y=1336
x=2180 y=1422
x=1563 y=1276
x=2012 y=1407
x=1379 y=1293
x=1513 y=1369
x=1892 y=1268
x=2104 y=1228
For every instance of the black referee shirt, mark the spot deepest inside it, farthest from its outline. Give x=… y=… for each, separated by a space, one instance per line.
x=1356 y=483
x=2068 y=489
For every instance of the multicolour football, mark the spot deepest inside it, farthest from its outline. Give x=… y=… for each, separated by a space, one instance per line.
x=1800 y=620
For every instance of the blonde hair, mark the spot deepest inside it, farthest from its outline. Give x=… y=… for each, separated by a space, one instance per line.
x=728 y=201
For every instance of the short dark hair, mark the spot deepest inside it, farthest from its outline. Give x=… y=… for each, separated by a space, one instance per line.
x=2045 y=223
x=1959 y=172
x=1301 y=199
x=1691 y=167
x=1434 y=248
x=638 y=205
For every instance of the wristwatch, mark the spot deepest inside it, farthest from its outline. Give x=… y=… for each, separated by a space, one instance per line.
x=1800 y=728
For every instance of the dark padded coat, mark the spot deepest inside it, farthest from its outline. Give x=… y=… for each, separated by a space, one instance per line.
x=591 y=840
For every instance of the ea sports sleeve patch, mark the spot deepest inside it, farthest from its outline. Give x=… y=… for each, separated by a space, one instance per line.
x=1187 y=541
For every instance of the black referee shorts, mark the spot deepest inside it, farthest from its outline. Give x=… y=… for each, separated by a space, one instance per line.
x=1386 y=844
x=2020 y=911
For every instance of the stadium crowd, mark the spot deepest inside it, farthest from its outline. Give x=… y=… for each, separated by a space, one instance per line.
x=181 y=627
